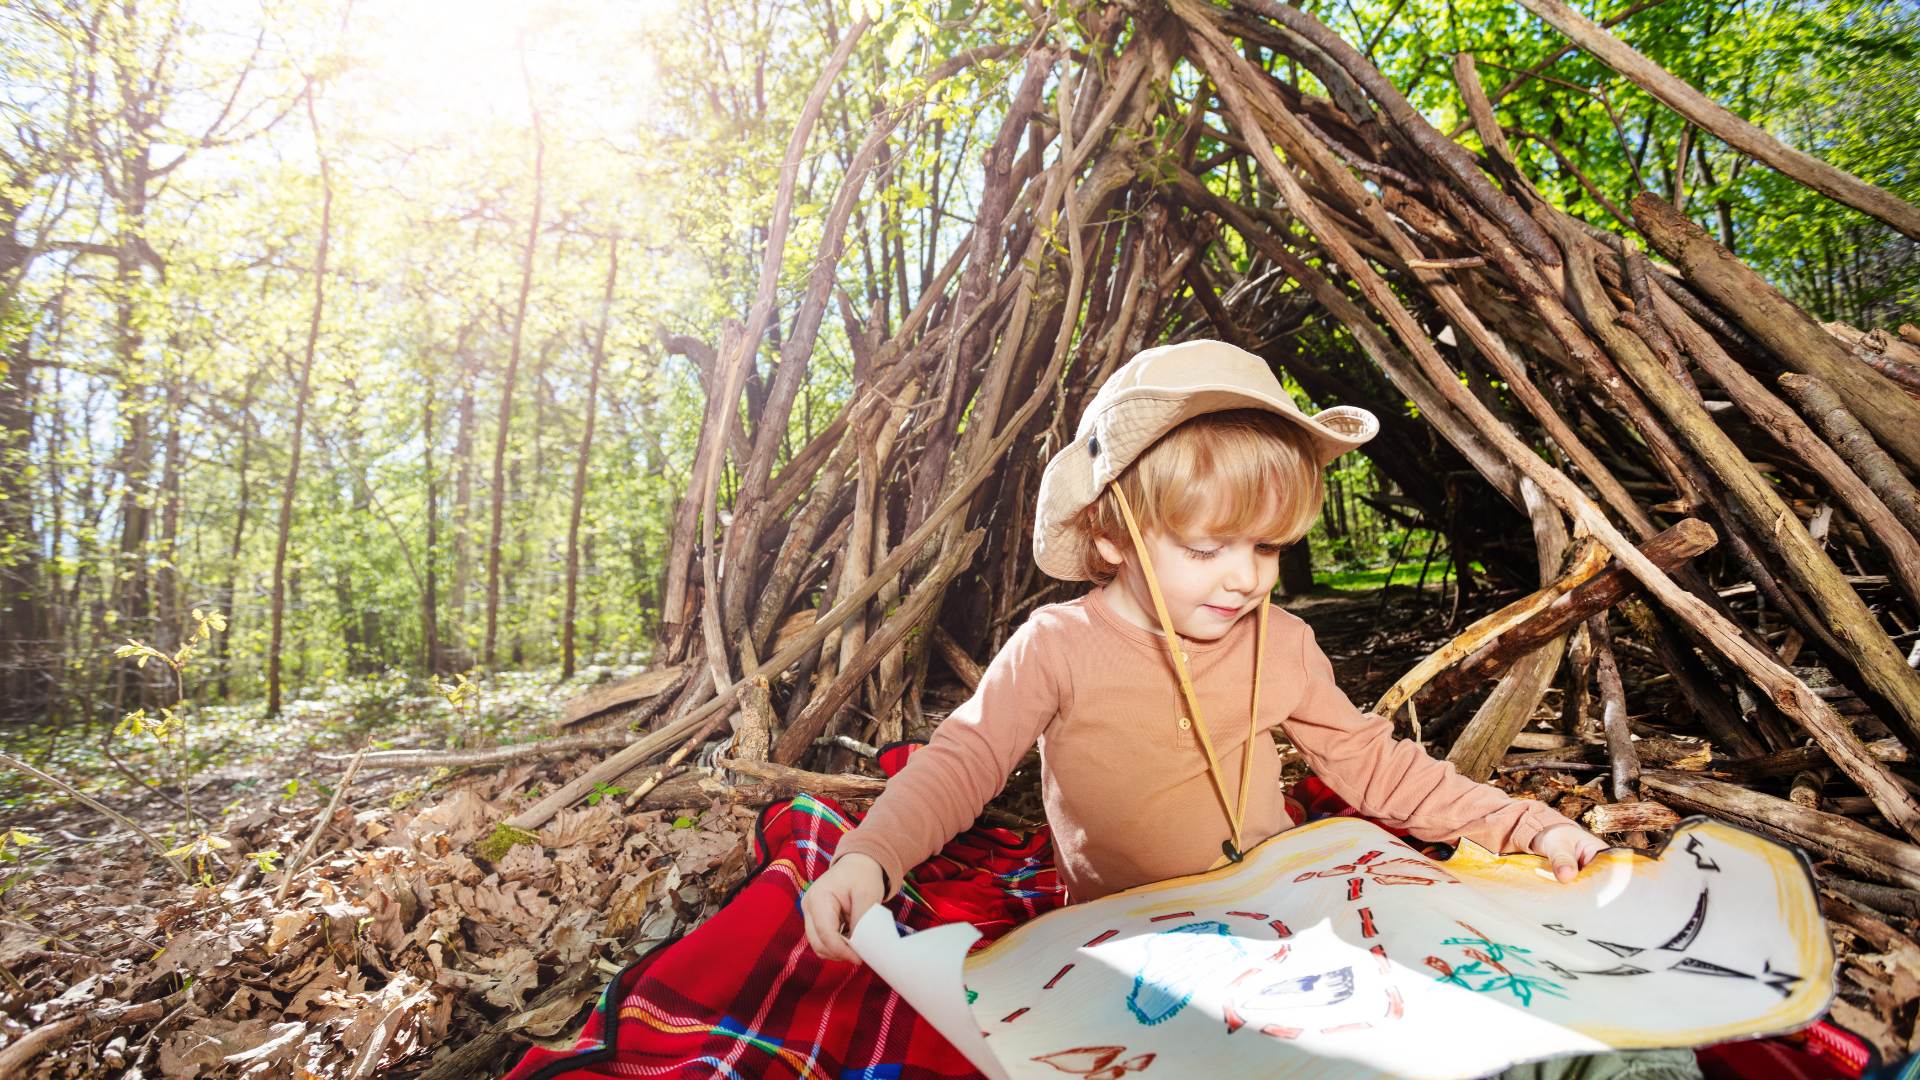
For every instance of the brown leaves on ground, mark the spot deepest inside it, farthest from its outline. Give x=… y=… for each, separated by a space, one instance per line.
x=398 y=944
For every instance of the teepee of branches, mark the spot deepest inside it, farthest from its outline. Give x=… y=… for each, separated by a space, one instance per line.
x=1648 y=407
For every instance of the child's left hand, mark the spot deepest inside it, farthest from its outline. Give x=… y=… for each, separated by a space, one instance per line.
x=1567 y=847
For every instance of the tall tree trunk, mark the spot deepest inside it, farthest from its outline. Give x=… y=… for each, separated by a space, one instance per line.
x=506 y=390
x=523 y=525
x=580 y=462
x=287 y=489
x=359 y=618
x=429 y=596
x=130 y=585
x=167 y=577
x=229 y=591
x=25 y=653
x=459 y=655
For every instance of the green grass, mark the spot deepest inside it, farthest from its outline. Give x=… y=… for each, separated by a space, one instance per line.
x=1374 y=578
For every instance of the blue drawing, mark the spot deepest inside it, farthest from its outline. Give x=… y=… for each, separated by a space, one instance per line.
x=1177 y=962
x=1306 y=991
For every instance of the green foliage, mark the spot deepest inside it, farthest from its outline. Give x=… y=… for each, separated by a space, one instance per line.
x=162 y=393
x=14 y=845
x=168 y=729
x=1839 y=79
x=603 y=790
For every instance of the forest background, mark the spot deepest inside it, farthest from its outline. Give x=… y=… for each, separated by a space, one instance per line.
x=369 y=342
x=355 y=361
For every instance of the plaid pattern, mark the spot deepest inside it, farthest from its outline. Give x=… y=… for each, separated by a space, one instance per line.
x=744 y=997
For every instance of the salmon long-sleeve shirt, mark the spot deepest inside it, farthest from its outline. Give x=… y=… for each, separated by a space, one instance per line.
x=1125 y=783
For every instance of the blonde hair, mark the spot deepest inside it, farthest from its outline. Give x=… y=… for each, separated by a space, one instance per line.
x=1243 y=472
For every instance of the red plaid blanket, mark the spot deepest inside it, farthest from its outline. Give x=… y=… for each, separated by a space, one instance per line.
x=744 y=997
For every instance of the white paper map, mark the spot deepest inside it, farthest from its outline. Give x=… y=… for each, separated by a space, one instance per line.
x=1335 y=950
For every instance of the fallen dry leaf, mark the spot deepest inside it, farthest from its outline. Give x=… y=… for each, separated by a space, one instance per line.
x=196 y=952
x=513 y=976
x=552 y=1017
x=286 y=926
x=586 y=826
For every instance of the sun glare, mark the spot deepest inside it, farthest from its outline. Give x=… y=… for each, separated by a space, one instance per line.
x=444 y=67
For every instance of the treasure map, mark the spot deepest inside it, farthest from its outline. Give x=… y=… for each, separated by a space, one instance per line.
x=1336 y=950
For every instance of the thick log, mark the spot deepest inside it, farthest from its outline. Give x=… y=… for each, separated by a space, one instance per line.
x=606 y=739
x=616 y=694
x=1826 y=836
x=1788 y=762
x=1887 y=354
x=1872 y=464
x=1711 y=116
x=1507 y=709
x=1607 y=819
x=965 y=667
x=1902 y=902
x=791 y=781
x=1621 y=756
x=1657 y=752
x=25 y=1047
x=1778 y=323
x=1874 y=494
x=1490 y=646
x=1806 y=562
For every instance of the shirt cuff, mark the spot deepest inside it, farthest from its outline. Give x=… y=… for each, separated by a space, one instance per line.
x=1537 y=819
x=892 y=874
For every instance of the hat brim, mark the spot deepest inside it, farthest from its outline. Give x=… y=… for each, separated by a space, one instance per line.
x=1072 y=480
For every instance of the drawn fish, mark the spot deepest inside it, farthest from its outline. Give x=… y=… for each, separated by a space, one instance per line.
x=1284 y=999
x=1178 y=961
x=1303 y=992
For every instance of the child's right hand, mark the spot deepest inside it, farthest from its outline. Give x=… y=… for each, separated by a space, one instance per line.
x=836 y=900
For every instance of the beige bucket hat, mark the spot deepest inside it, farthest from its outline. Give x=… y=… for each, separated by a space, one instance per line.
x=1149 y=396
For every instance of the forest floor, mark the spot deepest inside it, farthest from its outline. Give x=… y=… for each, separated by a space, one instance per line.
x=406 y=945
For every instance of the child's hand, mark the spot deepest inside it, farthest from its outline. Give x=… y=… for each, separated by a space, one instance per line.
x=837 y=899
x=1567 y=847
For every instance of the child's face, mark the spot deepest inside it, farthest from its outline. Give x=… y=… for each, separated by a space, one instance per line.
x=1208 y=581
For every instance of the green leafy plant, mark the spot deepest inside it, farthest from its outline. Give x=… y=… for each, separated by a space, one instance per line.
x=463 y=696
x=13 y=844
x=13 y=850
x=201 y=849
x=168 y=727
x=602 y=790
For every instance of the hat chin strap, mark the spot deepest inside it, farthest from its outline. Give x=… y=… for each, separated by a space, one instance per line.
x=1232 y=849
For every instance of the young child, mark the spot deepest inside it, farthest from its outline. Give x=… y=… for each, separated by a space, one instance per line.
x=1154 y=696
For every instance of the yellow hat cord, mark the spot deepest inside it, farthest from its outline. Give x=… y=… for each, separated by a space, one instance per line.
x=1236 y=811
